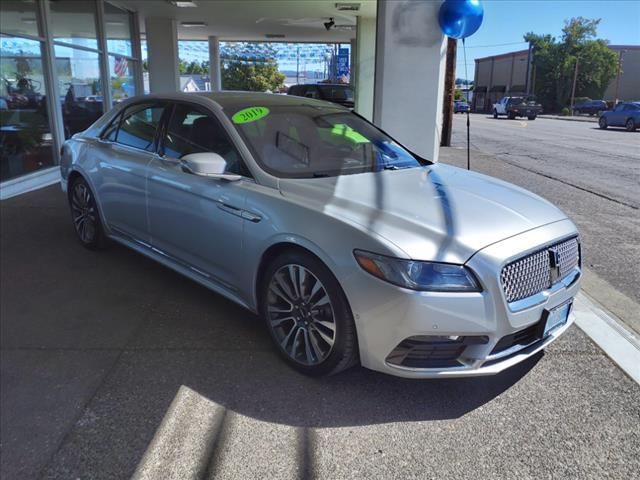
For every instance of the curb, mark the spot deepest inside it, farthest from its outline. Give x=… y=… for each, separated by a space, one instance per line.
x=609 y=333
x=569 y=119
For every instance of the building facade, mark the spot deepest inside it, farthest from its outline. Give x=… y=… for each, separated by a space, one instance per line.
x=513 y=74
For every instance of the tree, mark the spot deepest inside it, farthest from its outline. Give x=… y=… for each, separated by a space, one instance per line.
x=250 y=66
x=555 y=62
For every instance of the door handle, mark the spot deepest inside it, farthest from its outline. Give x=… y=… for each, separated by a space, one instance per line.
x=225 y=207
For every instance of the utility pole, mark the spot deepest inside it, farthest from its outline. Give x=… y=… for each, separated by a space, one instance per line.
x=615 y=96
x=449 y=92
x=573 y=89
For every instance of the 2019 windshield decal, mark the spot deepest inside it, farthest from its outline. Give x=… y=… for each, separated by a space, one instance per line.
x=248 y=115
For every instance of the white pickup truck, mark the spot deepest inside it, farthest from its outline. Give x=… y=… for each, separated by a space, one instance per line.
x=514 y=107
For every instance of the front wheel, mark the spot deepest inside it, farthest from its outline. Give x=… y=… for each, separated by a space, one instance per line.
x=602 y=123
x=630 y=125
x=307 y=315
x=85 y=216
x=531 y=117
x=495 y=113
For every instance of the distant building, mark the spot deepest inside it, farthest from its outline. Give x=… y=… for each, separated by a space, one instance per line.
x=510 y=74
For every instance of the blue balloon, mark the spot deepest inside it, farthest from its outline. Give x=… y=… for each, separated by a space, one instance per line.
x=460 y=18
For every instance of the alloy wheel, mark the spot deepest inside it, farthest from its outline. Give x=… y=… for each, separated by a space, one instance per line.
x=83 y=212
x=630 y=125
x=301 y=315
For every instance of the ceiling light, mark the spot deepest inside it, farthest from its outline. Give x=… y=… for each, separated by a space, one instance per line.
x=345 y=27
x=348 y=7
x=193 y=24
x=28 y=20
x=183 y=3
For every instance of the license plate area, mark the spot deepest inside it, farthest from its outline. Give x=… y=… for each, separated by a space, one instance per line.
x=556 y=317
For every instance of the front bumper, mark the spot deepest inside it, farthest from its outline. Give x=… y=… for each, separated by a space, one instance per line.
x=386 y=315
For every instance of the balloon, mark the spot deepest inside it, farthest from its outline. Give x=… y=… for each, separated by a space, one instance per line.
x=460 y=18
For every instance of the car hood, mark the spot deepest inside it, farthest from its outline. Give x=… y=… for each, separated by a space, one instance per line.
x=437 y=212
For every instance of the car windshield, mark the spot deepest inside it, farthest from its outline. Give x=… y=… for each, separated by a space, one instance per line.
x=306 y=141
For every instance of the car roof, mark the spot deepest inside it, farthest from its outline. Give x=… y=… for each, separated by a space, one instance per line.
x=233 y=100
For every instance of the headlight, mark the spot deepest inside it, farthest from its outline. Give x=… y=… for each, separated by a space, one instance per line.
x=416 y=275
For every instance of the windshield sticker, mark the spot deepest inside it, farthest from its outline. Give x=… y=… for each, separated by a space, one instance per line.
x=248 y=115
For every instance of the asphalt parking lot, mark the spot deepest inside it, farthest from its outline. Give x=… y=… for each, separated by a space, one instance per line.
x=112 y=365
x=591 y=174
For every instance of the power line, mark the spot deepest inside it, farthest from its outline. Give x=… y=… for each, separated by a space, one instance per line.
x=496 y=45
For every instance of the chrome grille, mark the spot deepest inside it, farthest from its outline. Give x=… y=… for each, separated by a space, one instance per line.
x=532 y=274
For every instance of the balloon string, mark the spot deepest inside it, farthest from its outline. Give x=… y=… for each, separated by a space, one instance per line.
x=466 y=78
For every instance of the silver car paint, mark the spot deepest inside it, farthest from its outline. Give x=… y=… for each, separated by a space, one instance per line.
x=430 y=213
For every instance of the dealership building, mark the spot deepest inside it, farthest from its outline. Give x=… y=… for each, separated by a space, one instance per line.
x=513 y=74
x=63 y=63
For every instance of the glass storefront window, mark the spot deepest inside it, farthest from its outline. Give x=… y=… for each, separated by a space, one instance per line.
x=121 y=77
x=118 y=30
x=74 y=22
x=19 y=17
x=79 y=88
x=25 y=135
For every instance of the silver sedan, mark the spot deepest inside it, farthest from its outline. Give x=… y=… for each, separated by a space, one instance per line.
x=351 y=248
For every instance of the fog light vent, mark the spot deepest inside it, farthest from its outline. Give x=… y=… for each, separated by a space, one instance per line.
x=426 y=351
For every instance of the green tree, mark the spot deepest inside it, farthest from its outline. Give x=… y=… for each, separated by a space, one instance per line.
x=251 y=66
x=555 y=62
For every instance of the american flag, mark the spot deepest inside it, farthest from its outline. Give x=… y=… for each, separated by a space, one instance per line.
x=120 y=66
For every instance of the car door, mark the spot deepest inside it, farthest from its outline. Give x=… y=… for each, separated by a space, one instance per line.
x=197 y=221
x=123 y=154
x=616 y=118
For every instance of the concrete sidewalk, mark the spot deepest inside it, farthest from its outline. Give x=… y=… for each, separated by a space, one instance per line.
x=112 y=365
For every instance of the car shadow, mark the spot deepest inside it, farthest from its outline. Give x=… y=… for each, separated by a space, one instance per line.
x=616 y=129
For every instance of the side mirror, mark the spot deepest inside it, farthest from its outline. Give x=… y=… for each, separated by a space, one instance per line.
x=208 y=164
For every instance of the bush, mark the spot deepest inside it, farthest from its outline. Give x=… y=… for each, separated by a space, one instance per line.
x=565 y=112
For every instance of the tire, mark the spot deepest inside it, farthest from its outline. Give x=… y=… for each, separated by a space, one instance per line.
x=85 y=216
x=630 y=125
x=495 y=113
x=307 y=315
x=531 y=117
x=511 y=116
x=602 y=123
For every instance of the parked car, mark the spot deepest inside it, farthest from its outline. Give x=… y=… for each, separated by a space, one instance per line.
x=592 y=107
x=460 y=106
x=514 y=107
x=339 y=93
x=350 y=247
x=623 y=115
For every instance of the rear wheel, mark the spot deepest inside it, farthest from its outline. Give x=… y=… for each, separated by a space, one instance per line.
x=85 y=216
x=602 y=123
x=511 y=116
x=307 y=315
x=495 y=113
x=630 y=125
x=531 y=117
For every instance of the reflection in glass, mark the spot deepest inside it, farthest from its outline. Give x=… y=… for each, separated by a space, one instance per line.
x=121 y=75
x=74 y=22
x=118 y=30
x=25 y=137
x=19 y=17
x=79 y=88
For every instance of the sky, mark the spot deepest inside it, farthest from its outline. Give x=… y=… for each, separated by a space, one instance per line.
x=506 y=21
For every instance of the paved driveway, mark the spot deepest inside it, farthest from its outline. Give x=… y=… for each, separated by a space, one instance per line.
x=113 y=365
